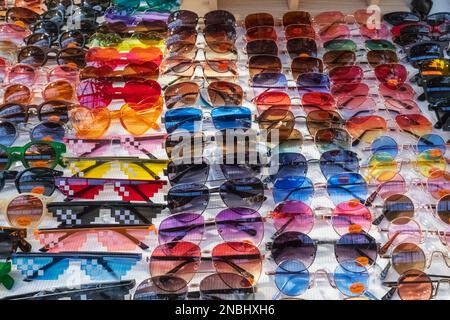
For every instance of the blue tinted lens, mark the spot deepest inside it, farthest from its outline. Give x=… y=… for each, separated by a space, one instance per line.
x=431 y=142
x=8 y=133
x=292 y=277
x=231 y=118
x=338 y=161
x=384 y=144
x=49 y=131
x=351 y=278
x=313 y=82
x=289 y=164
x=347 y=186
x=298 y=188
x=107 y=268
x=182 y=119
x=270 y=80
x=40 y=268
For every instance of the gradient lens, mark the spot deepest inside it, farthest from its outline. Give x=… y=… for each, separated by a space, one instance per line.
x=407 y=256
x=293 y=215
x=25 y=211
x=294 y=245
x=297 y=188
x=351 y=216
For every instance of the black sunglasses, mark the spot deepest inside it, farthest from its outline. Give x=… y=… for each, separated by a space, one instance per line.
x=32 y=180
x=12 y=239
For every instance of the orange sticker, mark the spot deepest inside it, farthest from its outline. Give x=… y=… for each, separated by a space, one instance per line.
x=357 y=288
x=435 y=153
x=20 y=24
x=40 y=164
x=354 y=203
x=47 y=138
x=354 y=228
x=363 y=261
x=38 y=190
x=23 y=221
x=54 y=118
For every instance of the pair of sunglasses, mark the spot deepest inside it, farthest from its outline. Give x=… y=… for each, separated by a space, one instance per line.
x=31 y=180
x=45 y=130
x=12 y=239
x=39 y=56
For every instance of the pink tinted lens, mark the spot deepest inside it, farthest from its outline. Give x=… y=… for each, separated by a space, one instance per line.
x=351 y=216
x=438 y=184
x=61 y=241
x=342 y=92
x=122 y=241
x=401 y=106
x=346 y=74
x=404 y=229
x=356 y=105
x=68 y=73
x=22 y=74
x=374 y=33
x=332 y=32
x=403 y=92
x=329 y=17
x=396 y=185
x=293 y=216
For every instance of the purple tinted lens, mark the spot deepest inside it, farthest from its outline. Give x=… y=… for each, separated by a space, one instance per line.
x=240 y=224
x=293 y=215
x=182 y=227
x=313 y=82
x=358 y=246
x=265 y=82
x=188 y=197
x=187 y=172
x=294 y=245
x=246 y=193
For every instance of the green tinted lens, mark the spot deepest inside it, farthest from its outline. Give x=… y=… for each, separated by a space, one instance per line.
x=340 y=44
x=5 y=278
x=104 y=40
x=380 y=45
x=134 y=4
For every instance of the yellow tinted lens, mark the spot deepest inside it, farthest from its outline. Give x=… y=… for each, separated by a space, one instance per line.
x=382 y=167
x=89 y=168
x=143 y=170
x=430 y=162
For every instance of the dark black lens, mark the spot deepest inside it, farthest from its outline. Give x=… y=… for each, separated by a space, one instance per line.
x=219 y=17
x=182 y=18
x=32 y=55
x=411 y=38
x=338 y=161
x=39 y=39
x=53 y=111
x=14 y=113
x=417 y=28
x=165 y=287
x=439 y=18
x=8 y=133
x=243 y=193
x=185 y=171
x=71 y=38
x=301 y=47
x=193 y=198
x=294 y=245
x=262 y=47
x=97 y=5
x=74 y=56
x=6 y=246
x=48 y=131
x=48 y=27
x=398 y=18
x=57 y=4
x=437 y=90
x=54 y=15
x=424 y=51
x=36 y=180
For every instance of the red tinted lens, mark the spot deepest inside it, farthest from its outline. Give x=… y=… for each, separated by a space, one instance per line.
x=391 y=74
x=346 y=74
x=270 y=99
x=318 y=101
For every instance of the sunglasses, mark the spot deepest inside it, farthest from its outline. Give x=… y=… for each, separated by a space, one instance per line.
x=347 y=217
x=14 y=34
x=350 y=45
x=291 y=31
x=436 y=91
x=90 y=188
x=95 y=265
x=160 y=5
x=421 y=28
x=98 y=5
x=12 y=239
x=217 y=286
x=127 y=26
x=98 y=93
x=342 y=187
x=45 y=130
x=236 y=224
x=135 y=118
x=402 y=17
x=190 y=119
x=183 y=18
x=67 y=39
x=38 y=56
x=292 y=278
x=195 y=198
x=47 y=154
x=301 y=46
x=219 y=93
x=266 y=19
x=415 y=285
x=27 y=17
x=25 y=210
x=355 y=246
x=145 y=71
x=113 y=237
x=32 y=180
x=52 y=110
x=78 y=213
x=95 y=291
x=183 y=259
x=425 y=51
x=132 y=167
x=111 y=57
x=126 y=42
x=147 y=145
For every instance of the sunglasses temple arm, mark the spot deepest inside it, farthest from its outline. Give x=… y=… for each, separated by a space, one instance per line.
x=390 y=293
x=388 y=244
x=358 y=139
x=143 y=196
x=149 y=171
x=378 y=220
x=140 y=244
x=370 y=295
x=24 y=245
x=372 y=197
x=241 y=271
x=385 y=271
x=106 y=266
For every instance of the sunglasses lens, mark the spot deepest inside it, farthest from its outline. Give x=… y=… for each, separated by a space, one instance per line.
x=382 y=167
x=220 y=38
x=182 y=18
x=22 y=74
x=187 y=172
x=181 y=259
x=58 y=90
x=47 y=27
x=356 y=246
x=306 y=65
x=443 y=209
x=431 y=161
x=181 y=94
x=384 y=144
x=408 y=256
x=8 y=133
x=223 y=93
x=340 y=44
x=260 y=33
x=416 y=124
x=377 y=57
x=226 y=286
x=188 y=198
x=71 y=38
x=277 y=121
x=231 y=118
x=415 y=285
x=161 y=288
x=438 y=184
x=332 y=138
x=40 y=155
x=25 y=211
x=339 y=58
x=240 y=224
x=264 y=64
x=246 y=193
x=288 y=164
x=318 y=101
x=299 y=31
x=219 y=17
x=366 y=128
x=19 y=14
x=294 y=245
x=293 y=188
x=241 y=170
x=380 y=45
x=17 y=93
x=90 y=123
x=405 y=230
x=332 y=32
x=182 y=119
x=398 y=18
x=48 y=131
x=4 y=158
x=338 y=161
x=259 y=19
x=346 y=187
x=346 y=75
x=54 y=111
x=320 y=119
x=296 y=17
x=351 y=216
x=293 y=216
x=182 y=227
x=424 y=51
x=430 y=142
x=33 y=56
x=398 y=206
x=262 y=47
x=351 y=278
x=301 y=47
x=292 y=278
x=139 y=118
x=72 y=56
x=37 y=180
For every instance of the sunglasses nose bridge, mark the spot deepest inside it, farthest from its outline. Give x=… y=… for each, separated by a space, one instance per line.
x=319 y=274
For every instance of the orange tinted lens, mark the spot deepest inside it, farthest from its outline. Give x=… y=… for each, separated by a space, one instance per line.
x=25 y=211
x=138 y=118
x=223 y=93
x=17 y=93
x=415 y=285
x=366 y=128
x=90 y=123
x=270 y=99
x=415 y=124
x=58 y=90
x=299 y=31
